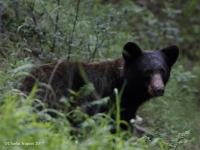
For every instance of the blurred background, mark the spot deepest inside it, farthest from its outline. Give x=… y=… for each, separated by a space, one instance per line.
x=34 y=32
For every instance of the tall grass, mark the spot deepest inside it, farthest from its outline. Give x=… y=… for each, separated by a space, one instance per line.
x=24 y=128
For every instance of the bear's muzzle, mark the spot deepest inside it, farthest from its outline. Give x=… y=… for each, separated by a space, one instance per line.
x=156 y=86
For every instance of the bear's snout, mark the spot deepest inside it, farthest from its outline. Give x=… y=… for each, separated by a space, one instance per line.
x=156 y=86
x=159 y=91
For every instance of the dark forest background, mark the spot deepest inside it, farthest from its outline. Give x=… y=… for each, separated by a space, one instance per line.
x=34 y=32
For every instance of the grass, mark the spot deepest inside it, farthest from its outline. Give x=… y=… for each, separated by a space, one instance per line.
x=171 y=121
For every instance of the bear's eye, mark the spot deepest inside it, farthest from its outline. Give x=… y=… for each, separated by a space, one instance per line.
x=162 y=71
x=147 y=72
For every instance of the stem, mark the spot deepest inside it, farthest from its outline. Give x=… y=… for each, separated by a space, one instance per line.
x=56 y=28
x=96 y=46
x=32 y=5
x=118 y=100
x=50 y=80
x=50 y=17
x=73 y=30
x=177 y=142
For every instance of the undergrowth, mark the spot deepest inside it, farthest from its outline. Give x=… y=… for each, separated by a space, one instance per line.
x=34 y=32
x=22 y=128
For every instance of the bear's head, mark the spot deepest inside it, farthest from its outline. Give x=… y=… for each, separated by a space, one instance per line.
x=147 y=72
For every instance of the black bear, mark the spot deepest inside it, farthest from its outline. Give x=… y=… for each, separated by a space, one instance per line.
x=142 y=74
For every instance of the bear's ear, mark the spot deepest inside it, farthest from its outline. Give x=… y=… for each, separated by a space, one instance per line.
x=171 y=54
x=131 y=51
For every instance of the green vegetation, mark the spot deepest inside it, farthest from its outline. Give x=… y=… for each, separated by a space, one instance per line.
x=34 y=32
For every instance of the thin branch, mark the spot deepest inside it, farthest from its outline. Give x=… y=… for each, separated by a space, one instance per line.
x=56 y=27
x=50 y=79
x=35 y=23
x=50 y=17
x=98 y=44
x=73 y=29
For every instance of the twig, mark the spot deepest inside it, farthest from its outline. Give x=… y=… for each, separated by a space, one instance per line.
x=50 y=17
x=51 y=78
x=54 y=23
x=35 y=23
x=73 y=30
x=56 y=28
x=97 y=44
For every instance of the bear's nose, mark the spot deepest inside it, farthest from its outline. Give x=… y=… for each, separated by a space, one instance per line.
x=159 y=91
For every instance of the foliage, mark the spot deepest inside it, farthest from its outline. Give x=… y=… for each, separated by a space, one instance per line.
x=39 y=31
x=21 y=129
